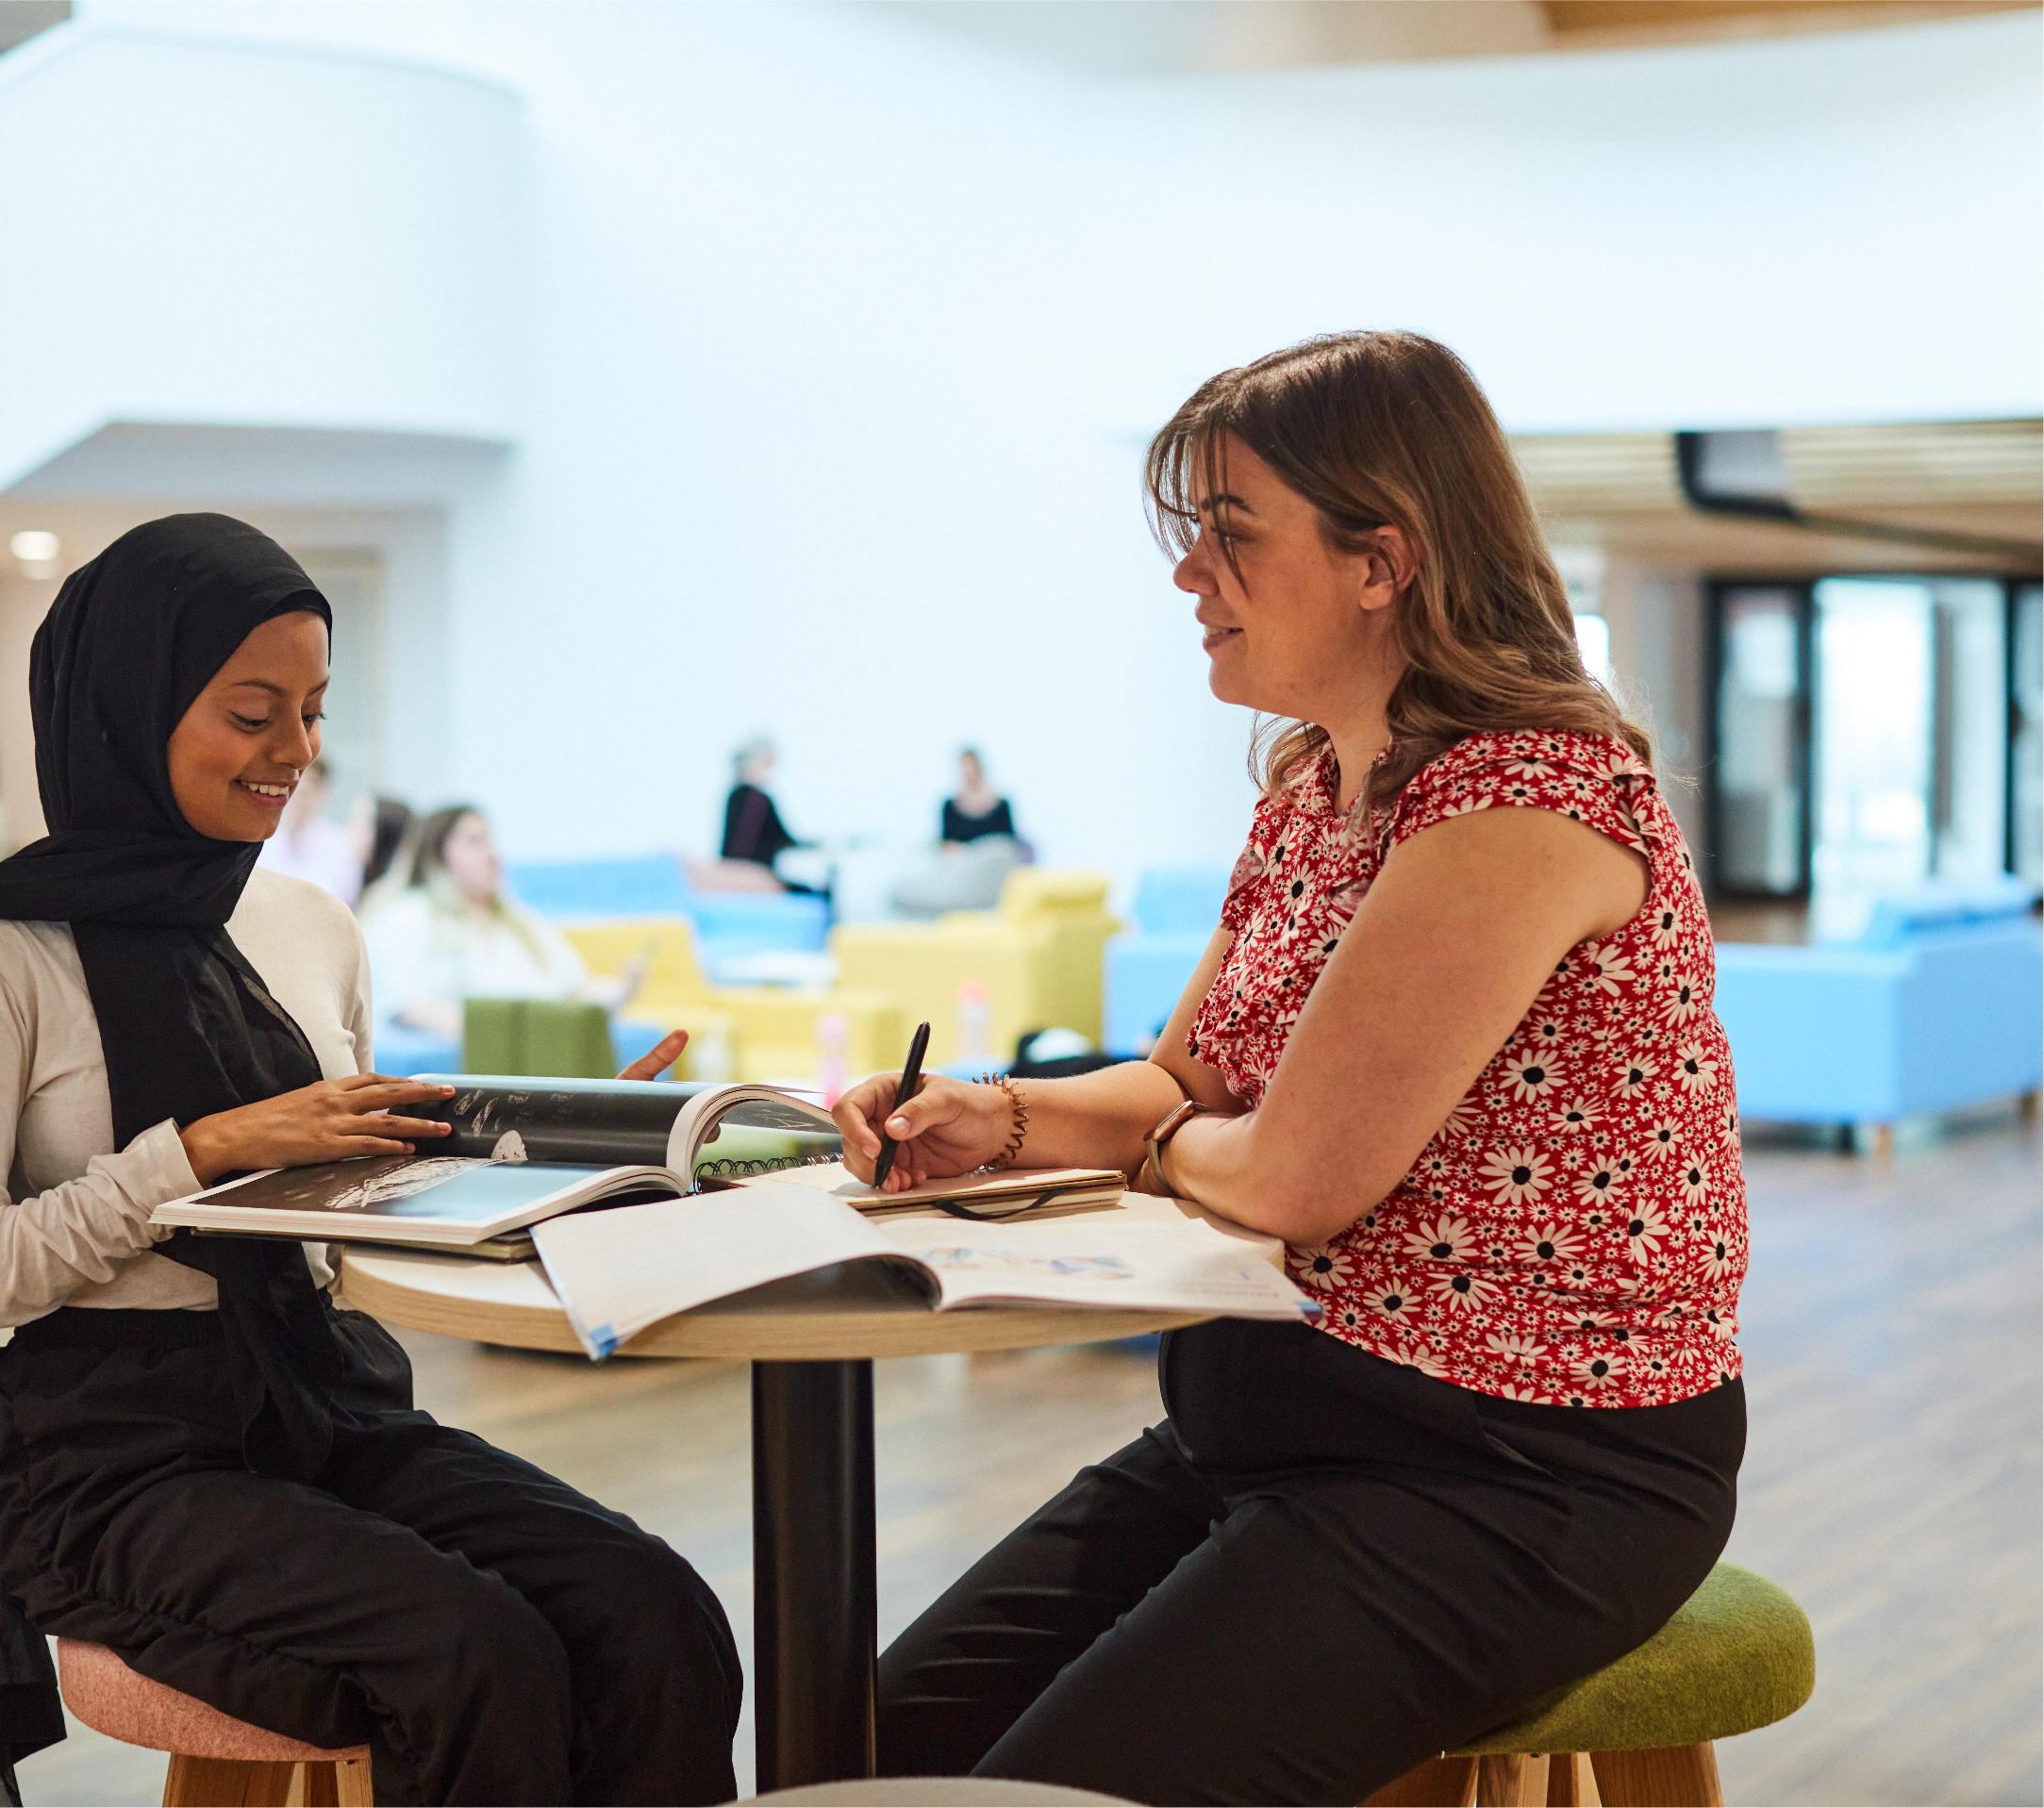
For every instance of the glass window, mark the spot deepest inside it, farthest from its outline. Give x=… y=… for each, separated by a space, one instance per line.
x=1759 y=774
x=1875 y=654
x=2026 y=733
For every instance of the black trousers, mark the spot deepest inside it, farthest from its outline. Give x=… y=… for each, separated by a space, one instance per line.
x=494 y=1636
x=1321 y=1569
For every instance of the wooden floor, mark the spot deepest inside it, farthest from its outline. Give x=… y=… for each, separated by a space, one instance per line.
x=1893 y=1482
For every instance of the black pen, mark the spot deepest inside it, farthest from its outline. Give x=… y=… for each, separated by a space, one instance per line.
x=911 y=1078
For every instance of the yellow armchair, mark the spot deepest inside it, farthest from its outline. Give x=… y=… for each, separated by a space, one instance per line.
x=770 y=1030
x=1038 y=954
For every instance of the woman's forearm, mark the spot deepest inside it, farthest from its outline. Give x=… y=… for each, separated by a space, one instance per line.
x=1231 y=1168
x=1095 y=1119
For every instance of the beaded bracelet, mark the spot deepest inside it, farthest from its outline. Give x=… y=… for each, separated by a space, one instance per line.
x=1007 y=1158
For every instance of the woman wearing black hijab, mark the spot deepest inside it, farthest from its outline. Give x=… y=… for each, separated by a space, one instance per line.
x=203 y=1462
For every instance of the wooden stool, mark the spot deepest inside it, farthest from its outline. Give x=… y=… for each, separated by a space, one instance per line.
x=216 y=1761
x=1640 y=1733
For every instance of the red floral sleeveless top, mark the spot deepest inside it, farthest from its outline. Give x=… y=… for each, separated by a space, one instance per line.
x=1575 y=1232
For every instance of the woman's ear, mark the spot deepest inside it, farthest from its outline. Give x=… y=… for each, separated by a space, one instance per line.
x=1389 y=566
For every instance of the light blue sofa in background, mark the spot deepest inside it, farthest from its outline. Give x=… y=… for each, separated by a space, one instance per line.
x=1937 y=1006
x=727 y=923
x=1175 y=912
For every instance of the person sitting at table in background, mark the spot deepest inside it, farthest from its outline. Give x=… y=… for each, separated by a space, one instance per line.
x=450 y=931
x=752 y=829
x=307 y=846
x=976 y=851
x=754 y=835
x=976 y=809
x=206 y=1462
x=383 y=834
x=1453 y=1043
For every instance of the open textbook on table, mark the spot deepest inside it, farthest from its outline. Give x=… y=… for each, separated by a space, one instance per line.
x=525 y=1150
x=615 y=1272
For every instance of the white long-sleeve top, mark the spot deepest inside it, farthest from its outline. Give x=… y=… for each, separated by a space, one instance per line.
x=74 y=1214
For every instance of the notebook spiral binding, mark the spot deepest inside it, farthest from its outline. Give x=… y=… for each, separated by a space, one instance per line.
x=736 y=1169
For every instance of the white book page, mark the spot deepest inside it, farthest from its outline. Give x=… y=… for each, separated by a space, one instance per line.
x=1183 y=1267
x=619 y=1270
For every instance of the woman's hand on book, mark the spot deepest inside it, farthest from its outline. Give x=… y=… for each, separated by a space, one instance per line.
x=948 y=1128
x=330 y=1122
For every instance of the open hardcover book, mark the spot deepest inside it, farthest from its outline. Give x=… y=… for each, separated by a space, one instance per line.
x=523 y=1150
x=615 y=1272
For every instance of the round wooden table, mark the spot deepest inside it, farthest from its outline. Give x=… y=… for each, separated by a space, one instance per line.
x=812 y=1341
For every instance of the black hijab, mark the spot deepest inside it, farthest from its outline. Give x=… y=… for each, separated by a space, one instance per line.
x=187 y=1025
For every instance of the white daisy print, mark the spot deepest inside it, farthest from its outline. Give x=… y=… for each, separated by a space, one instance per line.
x=1695 y=1183
x=1394 y=1305
x=1666 y=928
x=1447 y=1239
x=1518 y=1175
x=1686 y=1001
x=1595 y=1373
x=1634 y=1076
x=1465 y=806
x=1512 y=1390
x=1594 y=1188
x=1716 y=1258
x=1462 y=1120
x=1463 y=1292
x=1529 y=1076
x=1578 y=1114
x=1550 y=1243
x=1322 y=1267
x=1696 y=1067
x=1606 y=970
x=1532 y=766
x=1416 y=1352
x=1525 y=1352
x=1645 y=1232
x=1662 y=1139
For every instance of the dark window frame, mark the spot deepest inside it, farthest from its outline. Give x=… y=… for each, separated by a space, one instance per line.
x=1716 y=590
x=2012 y=590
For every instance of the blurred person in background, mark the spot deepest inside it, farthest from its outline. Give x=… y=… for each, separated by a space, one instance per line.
x=752 y=829
x=975 y=810
x=382 y=834
x=450 y=931
x=754 y=835
x=307 y=846
x=977 y=850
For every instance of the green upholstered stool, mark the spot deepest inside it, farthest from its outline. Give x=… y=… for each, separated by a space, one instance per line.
x=540 y=1037
x=1638 y=1733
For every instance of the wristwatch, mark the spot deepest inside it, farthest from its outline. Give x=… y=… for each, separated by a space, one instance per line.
x=1168 y=1126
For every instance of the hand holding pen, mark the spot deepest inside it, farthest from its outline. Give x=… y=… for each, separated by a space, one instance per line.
x=911 y=1078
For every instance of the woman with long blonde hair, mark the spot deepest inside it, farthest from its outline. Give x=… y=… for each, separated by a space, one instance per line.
x=1453 y=1043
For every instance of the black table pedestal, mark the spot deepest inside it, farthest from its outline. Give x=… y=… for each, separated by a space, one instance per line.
x=815 y=1612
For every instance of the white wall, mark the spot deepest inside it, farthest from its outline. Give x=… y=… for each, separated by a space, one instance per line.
x=842 y=341
x=225 y=233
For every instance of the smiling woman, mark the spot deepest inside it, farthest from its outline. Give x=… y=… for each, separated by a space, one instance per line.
x=252 y=733
x=206 y=1462
x=1453 y=1042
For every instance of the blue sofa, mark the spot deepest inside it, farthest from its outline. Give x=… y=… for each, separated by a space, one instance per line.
x=727 y=923
x=1175 y=911
x=1938 y=1004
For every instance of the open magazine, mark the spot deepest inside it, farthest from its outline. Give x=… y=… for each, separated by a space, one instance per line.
x=615 y=1272
x=526 y=1150
x=523 y=1150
